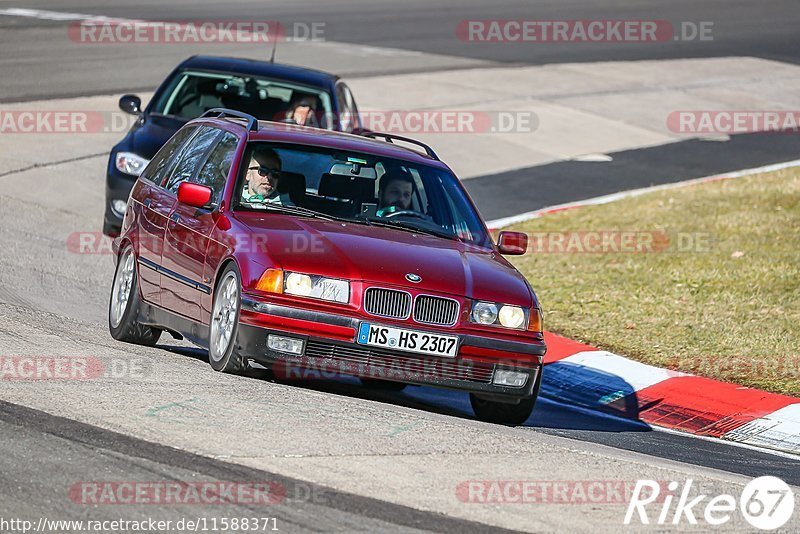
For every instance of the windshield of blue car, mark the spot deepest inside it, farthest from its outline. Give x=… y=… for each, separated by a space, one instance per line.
x=191 y=93
x=357 y=187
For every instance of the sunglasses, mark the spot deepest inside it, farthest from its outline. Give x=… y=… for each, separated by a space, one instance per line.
x=266 y=171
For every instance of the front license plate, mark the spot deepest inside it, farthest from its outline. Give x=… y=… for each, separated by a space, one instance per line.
x=407 y=340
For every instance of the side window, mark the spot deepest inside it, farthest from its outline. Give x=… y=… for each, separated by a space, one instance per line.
x=214 y=173
x=348 y=112
x=159 y=166
x=192 y=156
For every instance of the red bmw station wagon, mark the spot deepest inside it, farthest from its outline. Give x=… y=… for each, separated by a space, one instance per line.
x=299 y=248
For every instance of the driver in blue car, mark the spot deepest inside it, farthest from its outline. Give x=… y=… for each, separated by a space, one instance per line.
x=394 y=192
x=262 y=179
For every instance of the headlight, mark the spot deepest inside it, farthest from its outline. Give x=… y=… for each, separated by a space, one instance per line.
x=130 y=163
x=511 y=316
x=298 y=284
x=317 y=287
x=119 y=207
x=484 y=313
x=505 y=315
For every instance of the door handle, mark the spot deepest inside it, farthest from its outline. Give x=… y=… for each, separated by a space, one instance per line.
x=175 y=218
x=147 y=202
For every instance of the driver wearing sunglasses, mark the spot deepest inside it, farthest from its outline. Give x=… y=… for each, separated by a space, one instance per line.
x=262 y=179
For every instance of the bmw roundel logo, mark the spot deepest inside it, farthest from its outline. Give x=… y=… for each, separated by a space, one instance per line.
x=411 y=277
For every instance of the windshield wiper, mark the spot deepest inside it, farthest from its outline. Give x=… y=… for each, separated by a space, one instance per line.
x=416 y=229
x=294 y=210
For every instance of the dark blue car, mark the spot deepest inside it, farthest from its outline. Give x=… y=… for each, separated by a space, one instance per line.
x=268 y=91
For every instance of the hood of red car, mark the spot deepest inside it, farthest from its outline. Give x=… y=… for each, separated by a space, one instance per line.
x=385 y=256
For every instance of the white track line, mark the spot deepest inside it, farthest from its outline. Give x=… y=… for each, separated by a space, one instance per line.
x=605 y=199
x=742 y=445
x=44 y=14
x=779 y=429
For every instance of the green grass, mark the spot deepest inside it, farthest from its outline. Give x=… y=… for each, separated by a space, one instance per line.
x=728 y=308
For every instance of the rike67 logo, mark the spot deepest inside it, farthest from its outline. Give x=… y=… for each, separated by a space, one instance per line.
x=767 y=503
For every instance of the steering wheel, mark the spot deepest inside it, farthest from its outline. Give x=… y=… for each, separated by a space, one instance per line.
x=394 y=211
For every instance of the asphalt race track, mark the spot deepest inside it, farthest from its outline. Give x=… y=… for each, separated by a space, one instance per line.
x=759 y=29
x=570 y=181
x=348 y=458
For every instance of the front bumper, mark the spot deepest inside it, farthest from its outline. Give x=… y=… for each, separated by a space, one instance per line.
x=329 y=350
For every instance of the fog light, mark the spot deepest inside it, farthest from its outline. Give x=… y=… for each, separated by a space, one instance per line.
x=118 y=207
x=288 y=345
x=514 y=379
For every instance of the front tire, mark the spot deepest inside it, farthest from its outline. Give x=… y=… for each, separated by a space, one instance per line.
x=501 y=413
x=124 y=304
x=506 y=414
x=227 y=305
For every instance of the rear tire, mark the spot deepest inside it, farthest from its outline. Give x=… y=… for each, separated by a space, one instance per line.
x=222 y=354
x=124 y=304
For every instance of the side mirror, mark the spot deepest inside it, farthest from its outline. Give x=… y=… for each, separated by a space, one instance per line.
x=131 y=104
x=512 y=243
x=195 y=195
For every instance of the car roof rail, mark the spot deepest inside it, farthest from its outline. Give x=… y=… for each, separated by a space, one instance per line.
x=389 y=138
x=221 y=113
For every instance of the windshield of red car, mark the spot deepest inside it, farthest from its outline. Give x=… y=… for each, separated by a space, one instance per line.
x=358 y=187
x=192 y=93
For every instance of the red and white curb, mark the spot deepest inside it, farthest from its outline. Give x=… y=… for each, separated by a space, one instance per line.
x=586 y=376
x=600 y=380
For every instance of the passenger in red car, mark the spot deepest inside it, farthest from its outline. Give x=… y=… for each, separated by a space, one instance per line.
x=395 y=189
x=263 y=177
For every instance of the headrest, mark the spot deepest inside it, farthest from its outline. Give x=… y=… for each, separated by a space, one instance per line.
x=348 y=187
x=293 y=183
